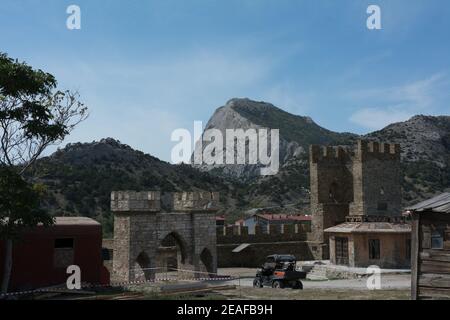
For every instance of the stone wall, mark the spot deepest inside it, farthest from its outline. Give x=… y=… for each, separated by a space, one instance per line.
x=394 y=250
x=140 y=228
x=289 y=239
x=331 y=174
x=326 y=215
x=254 y=255
x=195 y=201
x=376 y=179
x=331 y=187
x=363 y=181
x=239 y=234
x=284 y=239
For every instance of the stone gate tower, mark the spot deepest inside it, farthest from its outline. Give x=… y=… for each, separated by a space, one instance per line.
x=331 y=187
x=350 y=185
x=376 y=180
x=140 y=229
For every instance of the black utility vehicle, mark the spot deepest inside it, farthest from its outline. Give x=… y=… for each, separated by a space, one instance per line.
x=279 y=271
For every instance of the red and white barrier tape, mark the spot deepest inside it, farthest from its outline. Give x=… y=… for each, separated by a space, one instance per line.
x=117 y=284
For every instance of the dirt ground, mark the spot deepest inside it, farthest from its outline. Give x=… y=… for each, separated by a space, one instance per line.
x=393 y=287
x=315 y=294
x=388 y=281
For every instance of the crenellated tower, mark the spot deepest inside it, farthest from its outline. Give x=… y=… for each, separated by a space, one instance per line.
x=376 y=180
x=331 y=187
x=142 y=232
x=349 y=183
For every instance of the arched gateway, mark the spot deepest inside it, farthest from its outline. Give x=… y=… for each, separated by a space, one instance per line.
x=144 y=236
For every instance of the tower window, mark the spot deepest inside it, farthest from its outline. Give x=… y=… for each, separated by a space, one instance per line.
x=381 y=191
x=382 y=206
x=374 y=249
x=333 y=192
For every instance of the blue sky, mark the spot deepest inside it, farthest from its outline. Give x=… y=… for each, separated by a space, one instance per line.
x=147 y=67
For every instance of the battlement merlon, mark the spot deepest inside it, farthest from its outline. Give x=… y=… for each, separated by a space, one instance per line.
x=195 y=201
x=318 y=153
x=373 y=149
x=132 y=201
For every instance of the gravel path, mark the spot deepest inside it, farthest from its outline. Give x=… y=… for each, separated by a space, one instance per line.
x=388 y=282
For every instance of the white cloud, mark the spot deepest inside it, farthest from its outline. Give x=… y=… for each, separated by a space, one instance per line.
x=398 y=103
x=377 y=118
x=289 y=97
x=142 y=102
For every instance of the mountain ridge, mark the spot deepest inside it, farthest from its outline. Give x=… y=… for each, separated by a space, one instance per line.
x=80 y=176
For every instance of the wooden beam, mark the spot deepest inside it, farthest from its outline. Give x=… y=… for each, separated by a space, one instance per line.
x=434 y=293
x=415 y=244
x=434 y=280
x=431 y=266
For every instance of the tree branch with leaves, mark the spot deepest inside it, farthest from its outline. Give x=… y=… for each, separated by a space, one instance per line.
x=33 y=116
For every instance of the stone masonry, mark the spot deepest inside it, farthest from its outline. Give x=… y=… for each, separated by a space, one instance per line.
x=140 y=227
x=364 y=181
x=376 y=180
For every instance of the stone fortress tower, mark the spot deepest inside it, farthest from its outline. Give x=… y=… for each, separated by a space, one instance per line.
x=376 y=180
x=142 y=232
x=356 y=199
x=331 y=187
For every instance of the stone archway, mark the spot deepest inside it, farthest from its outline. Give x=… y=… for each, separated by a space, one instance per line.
x=172 y=253
x=142 y=268
x=187 y=226
x=207 y=260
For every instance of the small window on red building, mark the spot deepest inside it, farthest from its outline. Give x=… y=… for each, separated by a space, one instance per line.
x=63 y=254
x=64 y=243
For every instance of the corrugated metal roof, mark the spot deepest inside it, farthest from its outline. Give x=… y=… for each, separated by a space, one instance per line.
x=374 y=227
x=63 y=221
x=75 y=221
x=440 y=203
x=241 y=247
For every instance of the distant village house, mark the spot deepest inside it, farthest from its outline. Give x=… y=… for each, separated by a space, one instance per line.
x=265 y=220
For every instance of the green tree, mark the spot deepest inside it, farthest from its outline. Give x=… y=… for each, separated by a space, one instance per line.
x=19 y=209
x=33 y=116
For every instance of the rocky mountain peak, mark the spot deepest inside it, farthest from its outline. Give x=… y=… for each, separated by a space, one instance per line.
x=250 y=105
x=81 y=176
x=296 y=132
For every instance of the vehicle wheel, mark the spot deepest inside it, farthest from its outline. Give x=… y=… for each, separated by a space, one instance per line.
x=298 y=285
x=257 y=283
x=277 y=284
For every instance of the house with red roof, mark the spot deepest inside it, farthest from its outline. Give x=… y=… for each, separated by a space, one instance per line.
x=265 y=220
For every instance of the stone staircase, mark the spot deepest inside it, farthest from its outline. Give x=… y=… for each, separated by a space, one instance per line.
x=323 y=270
x=316 y=270
x=317 y=273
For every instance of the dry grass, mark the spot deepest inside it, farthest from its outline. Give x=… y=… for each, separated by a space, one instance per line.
x=316 y=294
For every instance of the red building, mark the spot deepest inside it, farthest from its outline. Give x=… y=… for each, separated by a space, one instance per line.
x=42 y=255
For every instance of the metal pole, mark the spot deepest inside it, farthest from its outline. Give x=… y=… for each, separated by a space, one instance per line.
x=240 y=288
